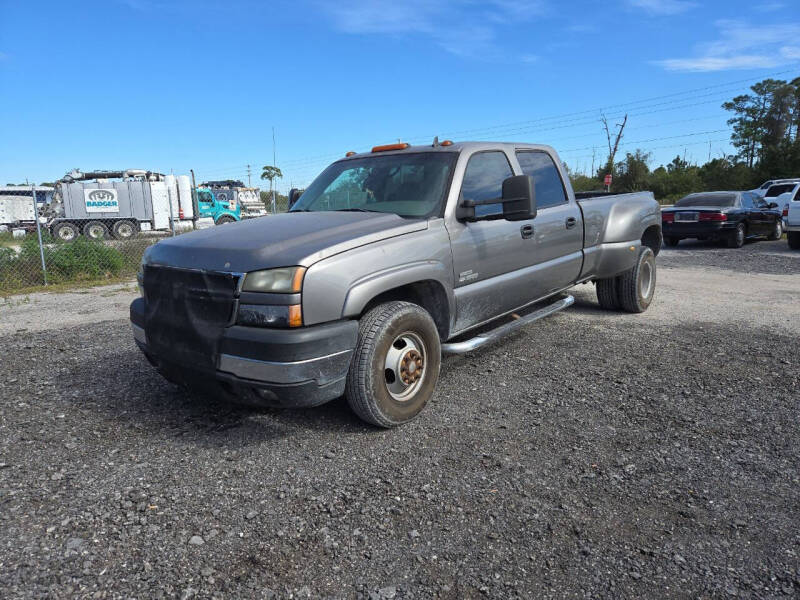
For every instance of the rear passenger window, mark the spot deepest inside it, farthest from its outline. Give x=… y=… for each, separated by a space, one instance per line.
x=547 y=181
x=747 y=201
x=483 y=180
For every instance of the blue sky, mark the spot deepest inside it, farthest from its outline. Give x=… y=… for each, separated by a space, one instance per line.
x=170 y=85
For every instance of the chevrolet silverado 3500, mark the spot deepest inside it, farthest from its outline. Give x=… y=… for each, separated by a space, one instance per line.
x=389 y=259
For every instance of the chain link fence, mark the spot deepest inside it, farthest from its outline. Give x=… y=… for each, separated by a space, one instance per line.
x=36 y=258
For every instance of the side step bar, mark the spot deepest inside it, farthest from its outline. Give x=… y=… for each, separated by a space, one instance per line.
x=503 y=330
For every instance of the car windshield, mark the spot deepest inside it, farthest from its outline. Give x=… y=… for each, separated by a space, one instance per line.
x=408 y=185
x=714 y=200
x=777 y=190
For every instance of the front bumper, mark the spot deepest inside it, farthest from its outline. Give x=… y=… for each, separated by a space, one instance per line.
x=792 y=227
x=299 y=367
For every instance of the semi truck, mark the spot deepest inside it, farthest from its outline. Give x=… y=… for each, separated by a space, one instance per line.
x=100 y=204
x=237 y=194
x=221 y=212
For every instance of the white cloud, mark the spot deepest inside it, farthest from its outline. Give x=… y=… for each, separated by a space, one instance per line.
x=663 y=7
x=742 y=46
x=461 y=28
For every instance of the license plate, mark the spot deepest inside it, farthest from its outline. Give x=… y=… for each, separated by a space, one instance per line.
x=686 y=217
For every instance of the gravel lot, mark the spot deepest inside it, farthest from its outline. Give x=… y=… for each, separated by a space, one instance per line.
x=592 y=455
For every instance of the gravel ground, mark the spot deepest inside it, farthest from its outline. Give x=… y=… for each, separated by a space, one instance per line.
x=757 y=256
x=591 y=455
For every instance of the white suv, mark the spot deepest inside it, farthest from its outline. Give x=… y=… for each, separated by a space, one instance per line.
x=791 y=216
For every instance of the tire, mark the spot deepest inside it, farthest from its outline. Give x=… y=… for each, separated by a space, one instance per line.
x=95 y=230
x=224 y=220
x=776 y=233
x=607 y=293
x=637 y=286
x=66 y=232
x=391 y=336
x=672 y=241
x=736 y=239
x=124 y=230
x=793 y=237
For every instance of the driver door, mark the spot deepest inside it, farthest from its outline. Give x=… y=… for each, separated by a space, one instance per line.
x=489 y=257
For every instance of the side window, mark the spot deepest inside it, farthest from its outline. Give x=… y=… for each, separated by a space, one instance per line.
x=747 y=200
x=547 y=181
x=483 y=180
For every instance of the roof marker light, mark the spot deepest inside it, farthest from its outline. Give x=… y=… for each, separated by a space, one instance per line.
x=351 y=153
x=447 y=143
x=387 y=147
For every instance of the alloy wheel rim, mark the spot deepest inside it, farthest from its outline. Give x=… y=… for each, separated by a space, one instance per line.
x=405 y=366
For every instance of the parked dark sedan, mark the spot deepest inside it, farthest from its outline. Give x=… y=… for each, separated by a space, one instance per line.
x=728 y=217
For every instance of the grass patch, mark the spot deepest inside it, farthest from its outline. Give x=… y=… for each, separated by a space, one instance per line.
x=81 y=262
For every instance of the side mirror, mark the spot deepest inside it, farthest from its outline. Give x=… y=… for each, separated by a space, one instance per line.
x=772 y=205
x=294 y=196
x=518 y=200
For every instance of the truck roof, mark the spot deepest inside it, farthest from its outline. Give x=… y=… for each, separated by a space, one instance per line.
x=457 y=147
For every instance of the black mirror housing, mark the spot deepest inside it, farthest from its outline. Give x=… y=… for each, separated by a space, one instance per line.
x=773 y=205
x=519 y=198
x=294 y=196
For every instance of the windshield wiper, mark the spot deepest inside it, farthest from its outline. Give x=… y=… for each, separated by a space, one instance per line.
x=355 y=210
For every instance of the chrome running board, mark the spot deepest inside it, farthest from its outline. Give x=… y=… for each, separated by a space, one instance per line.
x=503 y=330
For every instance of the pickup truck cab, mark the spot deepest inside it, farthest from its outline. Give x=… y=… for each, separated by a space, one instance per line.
x=389 y=259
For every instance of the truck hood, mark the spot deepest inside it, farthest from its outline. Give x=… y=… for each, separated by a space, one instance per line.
x=283 y=240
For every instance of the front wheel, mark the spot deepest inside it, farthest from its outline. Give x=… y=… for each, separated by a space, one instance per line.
x=396 y=364
x=225 y=219
x=637 y=286
x=793 y=237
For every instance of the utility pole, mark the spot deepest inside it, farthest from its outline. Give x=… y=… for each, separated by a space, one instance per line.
x=612 y=150
x=271 y=183
x=248 y=176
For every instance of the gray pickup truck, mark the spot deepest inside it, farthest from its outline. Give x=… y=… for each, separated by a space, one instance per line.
x=389 y=259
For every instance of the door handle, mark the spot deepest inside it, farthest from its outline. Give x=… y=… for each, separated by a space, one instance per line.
x=571 y=222
x=526 y=231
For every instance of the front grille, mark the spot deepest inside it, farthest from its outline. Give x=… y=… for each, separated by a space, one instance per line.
x=186 y=312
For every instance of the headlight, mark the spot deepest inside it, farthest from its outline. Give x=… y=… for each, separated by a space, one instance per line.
x=288 y=280
x=140 y=272
x=260 y=315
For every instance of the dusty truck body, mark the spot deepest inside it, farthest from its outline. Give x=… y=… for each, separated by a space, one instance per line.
x=389 y=259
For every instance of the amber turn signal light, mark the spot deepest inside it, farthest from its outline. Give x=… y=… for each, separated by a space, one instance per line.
x=388 y=147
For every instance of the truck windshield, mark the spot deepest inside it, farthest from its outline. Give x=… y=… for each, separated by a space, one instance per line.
x=408 y=185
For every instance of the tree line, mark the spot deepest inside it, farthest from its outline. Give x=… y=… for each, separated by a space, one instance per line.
x=766 y=135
